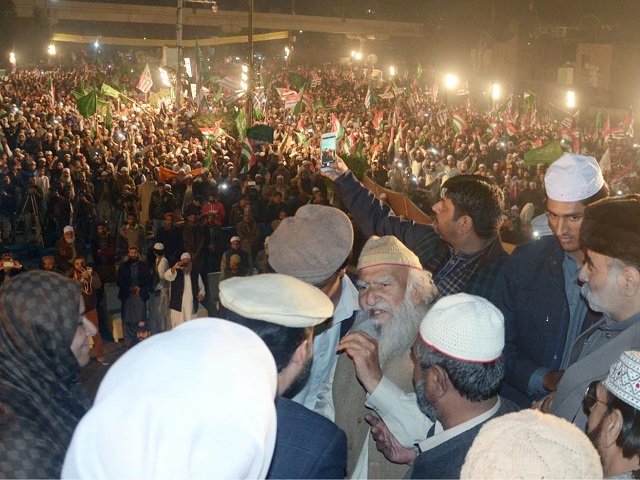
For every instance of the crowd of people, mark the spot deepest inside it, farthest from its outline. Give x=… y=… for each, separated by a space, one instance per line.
x=346 y=340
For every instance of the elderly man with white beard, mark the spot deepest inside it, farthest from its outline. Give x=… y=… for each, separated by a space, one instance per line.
x=375 y=370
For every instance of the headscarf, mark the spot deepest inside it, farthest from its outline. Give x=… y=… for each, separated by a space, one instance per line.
x=39 y=374
x=194 y=402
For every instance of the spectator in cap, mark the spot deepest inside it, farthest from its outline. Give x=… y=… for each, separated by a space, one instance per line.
x=374 y=371
x=187 y=290
x=314 y=246
x=134 y=283
x=613 y=425
x=458 y=369
x=216 y=421
x=530 y=444
x=610 y=237
x=68 y=248
x=538 y=292
x=159 y=299
x=462 y=249
x=283 y=312
x=243 y=268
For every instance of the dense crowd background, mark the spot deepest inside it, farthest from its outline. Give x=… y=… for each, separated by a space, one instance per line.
x=104 y=175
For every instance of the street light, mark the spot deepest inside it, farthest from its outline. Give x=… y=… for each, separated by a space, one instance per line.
x=51 y=49
x=392 y=71
x=164 y=77
x=451 y=81
x=96 y=43
x=287 y=51
x=358 y=56
x=571 y=99
x=12 y=58
x=495 y=91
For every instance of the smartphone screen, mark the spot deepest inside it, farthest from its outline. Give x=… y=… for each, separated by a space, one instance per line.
x=328 y=149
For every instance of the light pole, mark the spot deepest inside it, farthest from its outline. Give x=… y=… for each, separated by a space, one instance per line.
x=179 y=48
x=248 y=99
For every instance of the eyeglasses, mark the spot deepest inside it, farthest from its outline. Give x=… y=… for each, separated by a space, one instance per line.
x=591 y=398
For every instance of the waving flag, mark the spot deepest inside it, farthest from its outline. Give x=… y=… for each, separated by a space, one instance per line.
x=336 y=126
x=377 y=120
x=145 y=82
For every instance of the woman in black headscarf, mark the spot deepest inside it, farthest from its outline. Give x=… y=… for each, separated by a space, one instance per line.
x=43 y=343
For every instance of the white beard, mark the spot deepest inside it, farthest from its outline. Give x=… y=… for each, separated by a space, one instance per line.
x=395 y=336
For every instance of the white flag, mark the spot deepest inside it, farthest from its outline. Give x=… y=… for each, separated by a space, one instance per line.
x=146 y=82
x=605 y=161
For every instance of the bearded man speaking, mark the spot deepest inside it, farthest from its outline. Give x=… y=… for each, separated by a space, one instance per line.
x=374 y=371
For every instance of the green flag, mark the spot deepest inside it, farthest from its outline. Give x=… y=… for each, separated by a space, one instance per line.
x=109 y=91
x=297 y=81
x=298 y=107
x=419 y=71
x=88 y=105
x=107 y=118
x=208 y=156
x=302 y=138
x=263 y=133
x=546 y=154
x=241 y=125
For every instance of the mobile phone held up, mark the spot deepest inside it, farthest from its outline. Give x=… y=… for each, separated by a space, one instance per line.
x=328 y=149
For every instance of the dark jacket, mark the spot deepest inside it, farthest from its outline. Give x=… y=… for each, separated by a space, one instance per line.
x=446 y=460
x=123 y=280
x=533 y=301
x=307 y=444
x=177 y=289
x=375 y=218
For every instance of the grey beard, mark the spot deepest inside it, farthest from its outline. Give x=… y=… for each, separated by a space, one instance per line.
x=425 y=406
x=397 y=335
x=589 y=297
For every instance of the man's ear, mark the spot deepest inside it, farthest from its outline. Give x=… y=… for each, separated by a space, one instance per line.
x=630 y=278
x=439 y=382
x=464 y=224
x=301 y=353
x=611 y=428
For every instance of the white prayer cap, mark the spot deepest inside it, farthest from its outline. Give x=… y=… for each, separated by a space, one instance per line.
x=68 y=228
x=531 y=444
x=276 y=298
x=387 y=250
x=158 y=246
x=624 y=378
x=235 y=238
x=206 y=411
x=464 y=327
x=573 y=178
x=185 y=256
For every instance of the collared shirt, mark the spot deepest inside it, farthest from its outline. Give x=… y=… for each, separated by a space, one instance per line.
x=577 y=306
x=440 y=438
x=317 y=393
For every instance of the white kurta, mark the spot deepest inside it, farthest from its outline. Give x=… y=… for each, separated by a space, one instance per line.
x=187 y=298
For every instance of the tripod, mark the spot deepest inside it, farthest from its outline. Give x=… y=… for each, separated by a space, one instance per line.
x=32 y=204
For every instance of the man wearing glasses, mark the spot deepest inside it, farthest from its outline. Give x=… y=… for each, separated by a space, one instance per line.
x=613 y=426
x=610 y=237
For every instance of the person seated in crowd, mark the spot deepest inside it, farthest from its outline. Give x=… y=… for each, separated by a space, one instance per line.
x=462 y=248
x=530 y=444
x=242 y=268
x=191 y=417
x=610 y=237
x=43 y=344
x=68 y=248
x=539 y=294
x=458 y=369
x=374 y=371
x=283 y=311
x=613 y=426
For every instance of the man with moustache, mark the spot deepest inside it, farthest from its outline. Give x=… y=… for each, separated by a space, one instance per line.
x=187 y=290
x=610 y=237
x=461 y=249
x=282 y=311
x=374 y=370
x=134 y=283
x=539 y=294
x=614 y=417
x=458 y=369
